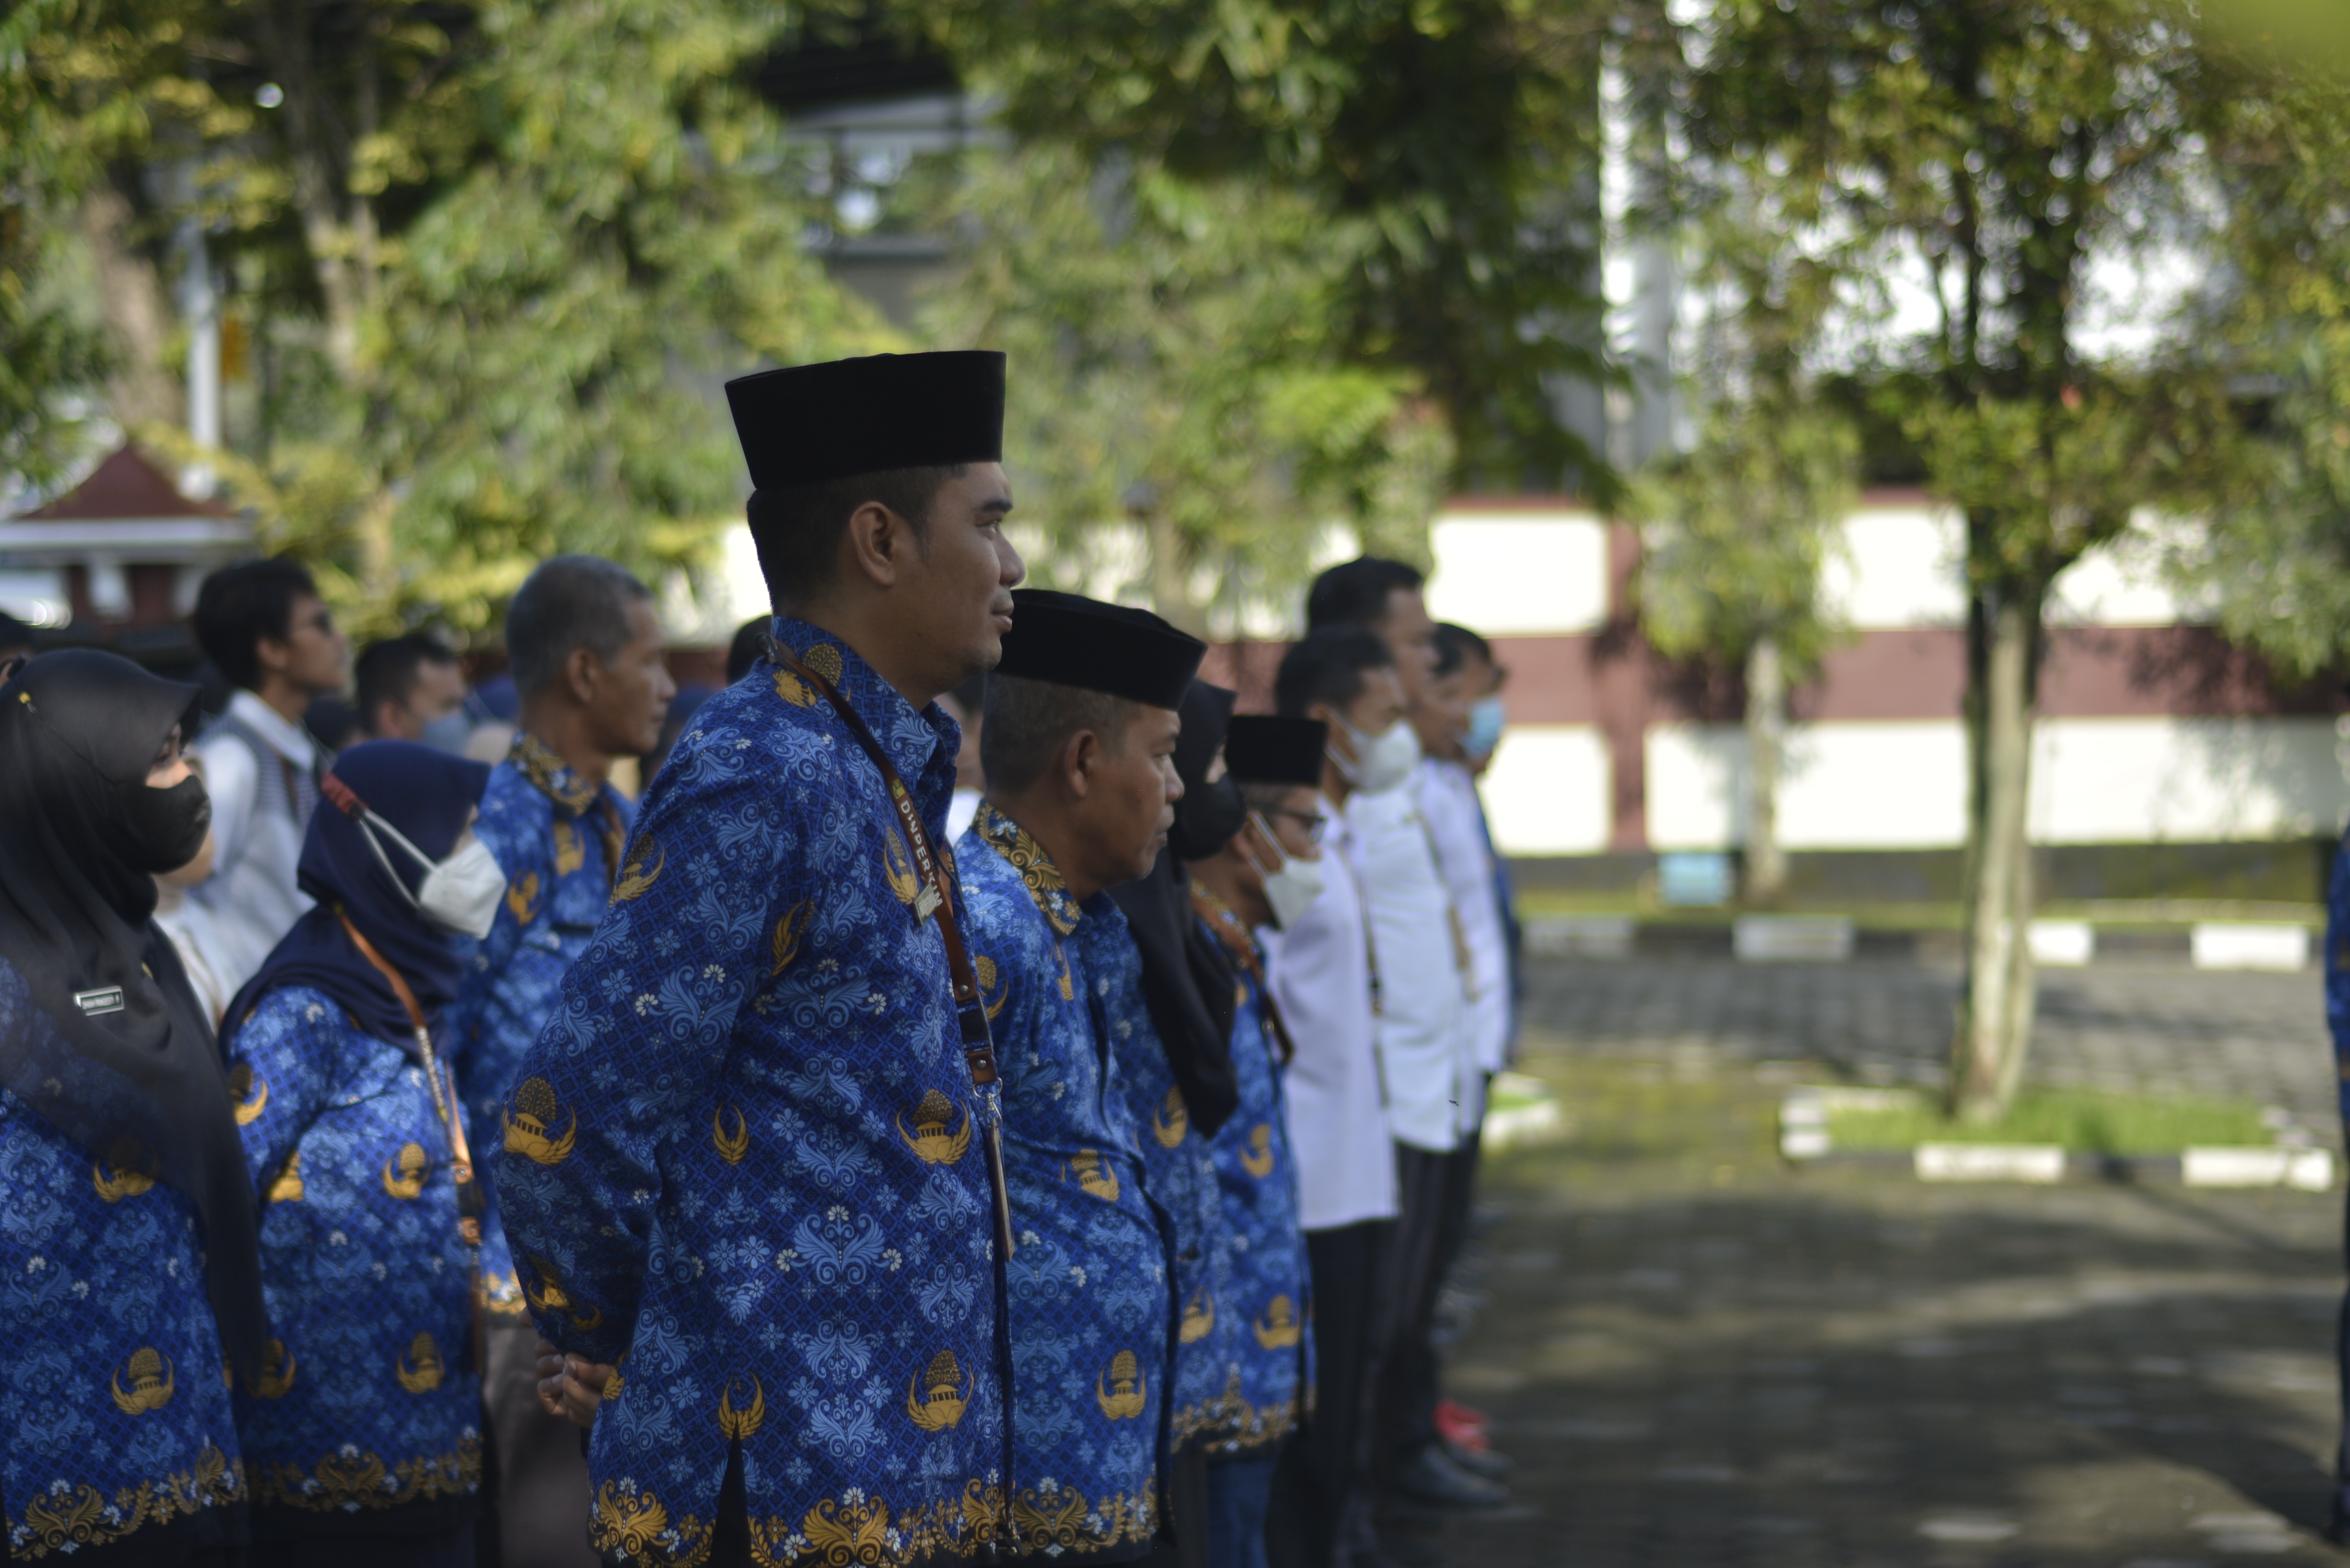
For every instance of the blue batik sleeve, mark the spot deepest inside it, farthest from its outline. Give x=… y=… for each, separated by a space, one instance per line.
x=282 y=1063
x=636 y=1042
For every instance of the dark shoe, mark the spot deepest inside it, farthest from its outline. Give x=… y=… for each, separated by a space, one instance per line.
x=1432 y=1477
x=1483 y=1462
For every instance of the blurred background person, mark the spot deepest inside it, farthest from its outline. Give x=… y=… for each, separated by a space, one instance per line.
x=128 y=1238
x=412 y=687
x=181 y=919
x=1253 y=880
x=264 y=627
x=1435 y=1091
x=586 y=652
x=335 y=724
x=753 y=640
x=968 y=704
x=1446 y=791
x=354 y=1139
x=1324 y=976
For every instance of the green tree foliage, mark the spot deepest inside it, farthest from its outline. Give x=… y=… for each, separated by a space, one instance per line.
x=2276 y=558
x=49 y=352
x=1171 y=338
x=1458 y=135
x=498 y=255
x=1999 y=145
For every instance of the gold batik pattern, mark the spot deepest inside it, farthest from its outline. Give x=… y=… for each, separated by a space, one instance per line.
x=1025 y=854
x=1065 y=1521
x=856 y=1530
x=362 y=1481
x=1249 y=1428
x=66 y=1518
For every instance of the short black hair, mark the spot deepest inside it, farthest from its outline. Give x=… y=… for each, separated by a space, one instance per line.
x=1027 y=723
x=569 y=602
x=1455 y=643
x=387 y=670
x=1328 y=666
x=971 y=698
x=1355 y=592
x=798 y=527
x=752 y=640
x=240 y=605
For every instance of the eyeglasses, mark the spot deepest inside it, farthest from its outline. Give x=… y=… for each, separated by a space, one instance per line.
x=1314 y=821
x=323 y=622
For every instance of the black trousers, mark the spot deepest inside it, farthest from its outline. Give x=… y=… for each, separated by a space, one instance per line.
x=1404 y=1404
x=1324 y=1473
x=534 y=1486
x=1414 y=1379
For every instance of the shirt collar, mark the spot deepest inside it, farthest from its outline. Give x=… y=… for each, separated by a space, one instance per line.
x=1044 y=879
x=554 y=778
x=915 y=742
x=287 y=740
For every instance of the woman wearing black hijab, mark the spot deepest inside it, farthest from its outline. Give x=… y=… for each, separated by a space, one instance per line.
x=362 y=1432
x=128 y=1267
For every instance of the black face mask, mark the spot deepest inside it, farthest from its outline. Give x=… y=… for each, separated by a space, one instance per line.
x=163 y=829
x=1206 y=818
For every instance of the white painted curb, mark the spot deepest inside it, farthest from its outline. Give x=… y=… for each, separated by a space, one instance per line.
x=1990 y=1162
x=2217 y=945
x=2310 y=1169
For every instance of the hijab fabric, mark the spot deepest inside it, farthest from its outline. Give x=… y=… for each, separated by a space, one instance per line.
x=429 y=795
x=131 y=1072
x=1188 y=981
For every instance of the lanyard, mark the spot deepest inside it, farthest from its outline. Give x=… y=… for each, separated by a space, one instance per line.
x=935 y=898
x=1242 y=946
x=444 y=1096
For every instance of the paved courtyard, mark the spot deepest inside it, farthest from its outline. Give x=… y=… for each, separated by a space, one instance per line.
x=1697 y=1355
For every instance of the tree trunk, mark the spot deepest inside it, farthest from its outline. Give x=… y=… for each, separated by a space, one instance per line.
x=1170 y=575
x=1994 y=1030
x=1766 y=741
x=137 y=315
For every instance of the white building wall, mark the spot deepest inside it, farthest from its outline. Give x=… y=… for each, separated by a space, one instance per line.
x=1902 y=785
x=1549 y=791
x=1520 y=574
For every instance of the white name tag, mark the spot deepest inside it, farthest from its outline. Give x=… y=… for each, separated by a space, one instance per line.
x=106 y=998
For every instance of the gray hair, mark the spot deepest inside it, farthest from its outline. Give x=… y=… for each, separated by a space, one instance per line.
x=569 y=602
x=1029 y=723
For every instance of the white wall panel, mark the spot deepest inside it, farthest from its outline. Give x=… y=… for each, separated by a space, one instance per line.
x=1900 y=567
x=1548 y=791
x=1879 y=785
x=1523 y=574
x=2128 y=781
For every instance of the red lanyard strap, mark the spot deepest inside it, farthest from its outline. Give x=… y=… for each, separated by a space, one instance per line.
x=1242 y=946
x=970 y=1007
x=469 y=1204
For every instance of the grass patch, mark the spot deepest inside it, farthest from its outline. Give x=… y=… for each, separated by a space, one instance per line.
x=2082 y=1121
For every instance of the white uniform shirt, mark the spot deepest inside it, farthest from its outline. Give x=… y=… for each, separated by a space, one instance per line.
x=1320 y=975
x=1435 y=1093
x=250 y=900
x=1456 y=824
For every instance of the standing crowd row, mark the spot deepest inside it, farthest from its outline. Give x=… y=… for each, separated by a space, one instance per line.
x=986 y=1098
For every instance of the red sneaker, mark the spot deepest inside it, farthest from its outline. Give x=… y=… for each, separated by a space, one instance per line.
x=1460 y=1426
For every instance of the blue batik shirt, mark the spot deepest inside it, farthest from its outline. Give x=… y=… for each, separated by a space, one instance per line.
x=114 y=1422
x=367 y=1399
x=2337 y=972
x=1179 y=1176
x=558 y=838
x=1257 y=1176
x=746 y=1161
x=1087 y=1281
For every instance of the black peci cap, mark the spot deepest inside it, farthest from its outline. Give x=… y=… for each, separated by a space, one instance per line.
x=1071 y=640
x=809 y=423
x=1260 y=747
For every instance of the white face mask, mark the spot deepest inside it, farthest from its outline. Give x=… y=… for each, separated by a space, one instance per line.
x=459 y=895
x=1383 y=761
x=1290 y=890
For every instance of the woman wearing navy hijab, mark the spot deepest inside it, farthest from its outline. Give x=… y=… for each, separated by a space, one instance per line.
x=361 y=1433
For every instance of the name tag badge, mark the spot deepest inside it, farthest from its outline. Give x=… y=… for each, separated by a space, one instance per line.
x=926 y=902
x=96 y=1004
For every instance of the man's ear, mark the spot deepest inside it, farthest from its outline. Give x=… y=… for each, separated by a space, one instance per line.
x=273 y=654
x=580 y=668
x=878 y=545
x=1080 y=755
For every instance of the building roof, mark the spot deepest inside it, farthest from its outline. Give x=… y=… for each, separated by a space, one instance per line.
x=126 y=485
